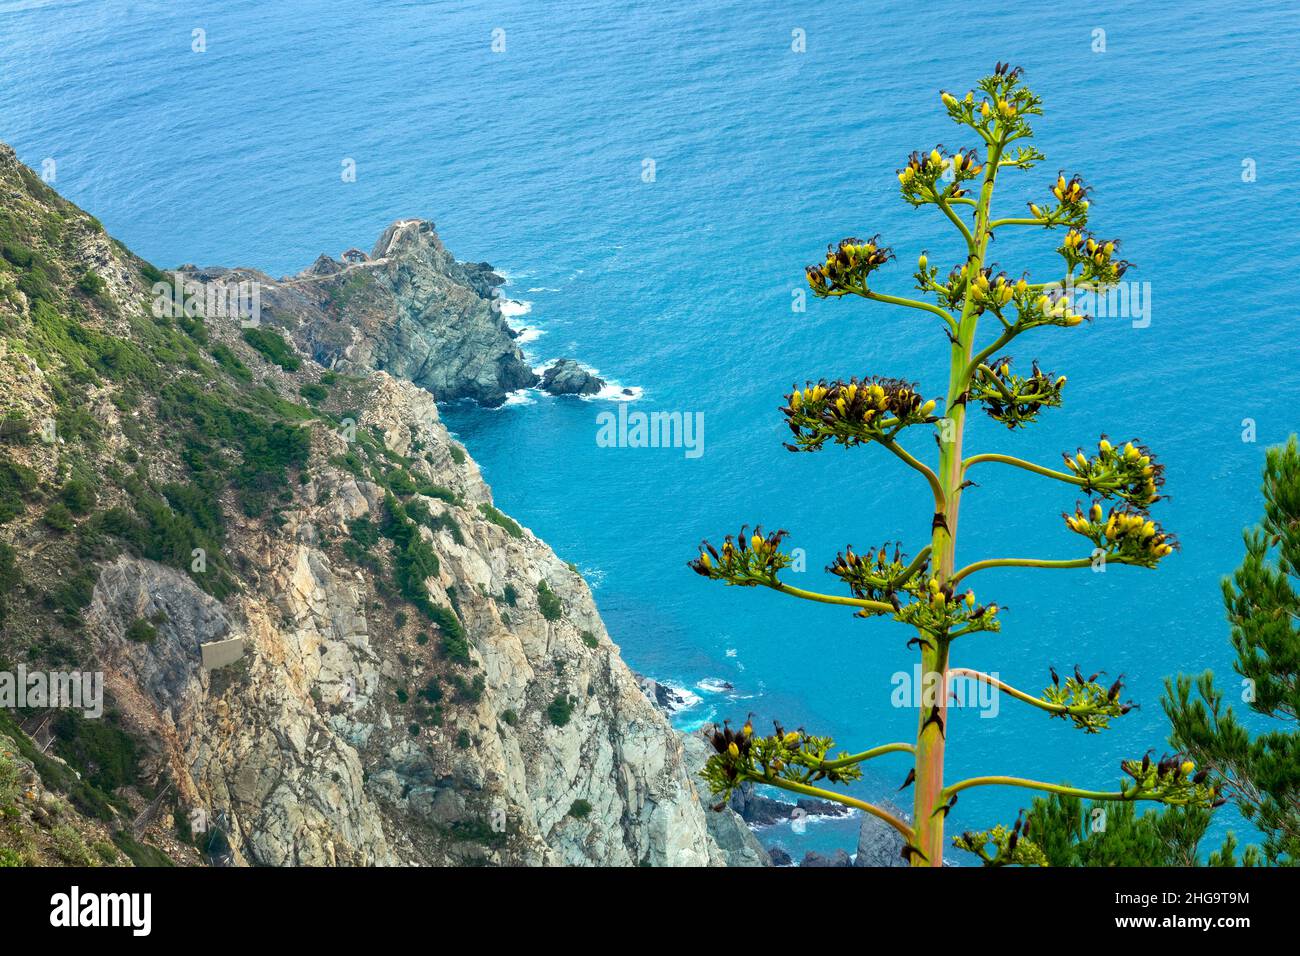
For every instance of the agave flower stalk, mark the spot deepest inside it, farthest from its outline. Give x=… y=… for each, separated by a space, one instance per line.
x=983 y=310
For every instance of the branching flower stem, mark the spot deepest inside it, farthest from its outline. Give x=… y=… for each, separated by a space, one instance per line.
x=1112 y=795
x=1019 y=695
x=936 y=488
x=830 y=598
x=911 y=304
x=1026 y=465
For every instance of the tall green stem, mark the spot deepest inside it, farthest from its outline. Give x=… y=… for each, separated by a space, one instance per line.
x=930 y=742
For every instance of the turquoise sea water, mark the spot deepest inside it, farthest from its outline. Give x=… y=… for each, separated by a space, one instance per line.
x=533 y=157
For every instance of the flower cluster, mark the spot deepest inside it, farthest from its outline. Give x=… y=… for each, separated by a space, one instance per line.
x=1127 y=536
x=995 y=292
x=1002 y=846
x=1097 y=257
x=1034 y=305
x=1172 y=780
x=1090 y=705
x=741 y=756
x=1015 y=400
x=747 y=560
x=847 y=267
x=876 y=575
x=1130 y=473
x=938 y=610
x=853 y=412
x=929 y=177
x=1000 y=115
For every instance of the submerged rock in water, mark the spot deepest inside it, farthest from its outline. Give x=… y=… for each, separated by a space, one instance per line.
x=567 y=377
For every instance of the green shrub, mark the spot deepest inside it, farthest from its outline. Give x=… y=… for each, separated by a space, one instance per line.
x=469 y=691
x=100 y=749
x=17 y=482
x=510 y=717
x=229 y=362
x=501 y=520
x=58 y=517
x=463 y=740
x=79 y=496
x=273 y=348
x=141 y=854
x=589 y=639
x=580 y=809
x=559 y=710
x=454 y=642
x=457 y=454
x=430 y=490
x=151 y=273
x=510 y=595
x=69 y=847
x=313 y=392
x=141 y=631
x=548 y=602
x=10 y=577
x=92 y=283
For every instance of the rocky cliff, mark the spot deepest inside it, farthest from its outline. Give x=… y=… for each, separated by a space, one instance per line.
x=408 y=676
x=408 y=308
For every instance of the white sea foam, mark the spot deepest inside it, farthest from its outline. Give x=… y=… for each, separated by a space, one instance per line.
x=714 y=685
x=614 y=392
x=520 y=396
x=528 y=333
x=512 y=308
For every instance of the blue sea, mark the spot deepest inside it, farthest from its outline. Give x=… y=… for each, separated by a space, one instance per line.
x=528 y=132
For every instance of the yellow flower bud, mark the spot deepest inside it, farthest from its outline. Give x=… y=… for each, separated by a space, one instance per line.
x=1105 y=447
x=733 y=749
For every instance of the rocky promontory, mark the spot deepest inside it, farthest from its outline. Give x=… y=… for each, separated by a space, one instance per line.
x=408 y=308
x=567 y=377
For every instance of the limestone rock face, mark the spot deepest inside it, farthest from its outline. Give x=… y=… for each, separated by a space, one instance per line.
x=303 y=747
